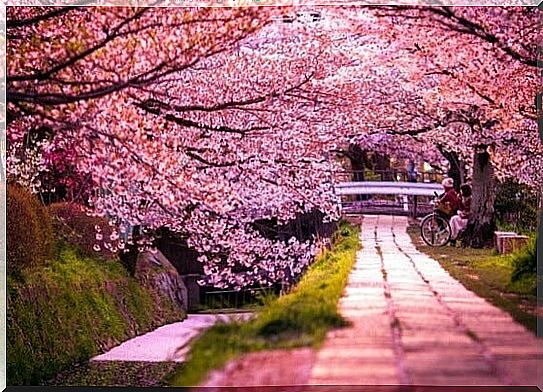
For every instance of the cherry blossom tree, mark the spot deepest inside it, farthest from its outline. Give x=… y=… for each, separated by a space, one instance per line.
x=204 y=120
x=484 y=63
x=203 y=140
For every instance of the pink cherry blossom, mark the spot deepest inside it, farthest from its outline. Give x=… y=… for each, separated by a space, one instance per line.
x=203 y=120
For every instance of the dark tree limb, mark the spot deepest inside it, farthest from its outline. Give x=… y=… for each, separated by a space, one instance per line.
x=16 y=23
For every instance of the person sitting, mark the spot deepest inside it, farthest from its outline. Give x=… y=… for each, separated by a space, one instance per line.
x=460 y=221
x=449 y=201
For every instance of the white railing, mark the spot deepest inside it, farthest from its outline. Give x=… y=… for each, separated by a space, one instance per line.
x=387 y=188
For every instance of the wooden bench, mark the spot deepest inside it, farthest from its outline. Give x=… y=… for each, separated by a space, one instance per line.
x=508 y=241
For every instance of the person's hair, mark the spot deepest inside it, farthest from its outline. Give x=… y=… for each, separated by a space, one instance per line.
x=448 y=183
x=465 y=189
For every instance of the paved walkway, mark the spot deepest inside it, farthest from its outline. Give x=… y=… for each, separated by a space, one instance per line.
x=413 y=324
x=169 y=342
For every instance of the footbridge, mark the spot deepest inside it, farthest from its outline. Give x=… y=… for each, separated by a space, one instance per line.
x=393 y=193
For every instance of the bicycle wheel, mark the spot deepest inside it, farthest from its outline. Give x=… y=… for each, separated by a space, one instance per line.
x=435 y=230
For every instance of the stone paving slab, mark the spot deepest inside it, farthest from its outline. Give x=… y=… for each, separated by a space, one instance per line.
x=415 y=324
x=169 y=342
x=380 y=341
x=432 y=340
x=341 y=369
x=336 y=374
x=360 y=353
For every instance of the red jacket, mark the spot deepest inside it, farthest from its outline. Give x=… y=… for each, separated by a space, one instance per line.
x=451 y=200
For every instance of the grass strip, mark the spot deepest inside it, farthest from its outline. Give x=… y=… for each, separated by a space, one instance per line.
x=300 y=318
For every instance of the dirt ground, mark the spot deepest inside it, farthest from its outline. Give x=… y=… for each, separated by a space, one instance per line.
x=277 y=367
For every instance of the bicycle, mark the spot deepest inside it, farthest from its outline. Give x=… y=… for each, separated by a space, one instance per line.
x=435 y=229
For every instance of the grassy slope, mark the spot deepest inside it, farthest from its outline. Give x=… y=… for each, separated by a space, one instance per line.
x=73 y=309
x=300 y=318
x=489 y=276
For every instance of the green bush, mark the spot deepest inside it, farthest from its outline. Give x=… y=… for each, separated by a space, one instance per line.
x=525 y=260
x=74 y=226
x=29 y=231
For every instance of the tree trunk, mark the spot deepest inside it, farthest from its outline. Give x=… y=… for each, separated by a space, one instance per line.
x=457 y=168
x=480 y=230
x=358 y=159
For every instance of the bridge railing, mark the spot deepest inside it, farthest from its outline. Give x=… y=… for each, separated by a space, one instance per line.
x=396 y=197
x=388 y=188
x=388 y=175
x=413 y=206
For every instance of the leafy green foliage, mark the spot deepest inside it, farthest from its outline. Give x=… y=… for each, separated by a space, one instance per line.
x=516 y=207
x=72 y=309
x=525 y=260
x=29 y=231
x=299 y=318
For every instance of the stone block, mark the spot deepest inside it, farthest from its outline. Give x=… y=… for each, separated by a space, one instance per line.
x=511 y=244
x=508 y=241
x=500 y=234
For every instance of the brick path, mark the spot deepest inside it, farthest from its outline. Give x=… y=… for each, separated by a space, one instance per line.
x=413 y=324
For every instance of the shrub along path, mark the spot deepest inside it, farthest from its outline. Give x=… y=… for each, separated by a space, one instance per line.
x=412 y=323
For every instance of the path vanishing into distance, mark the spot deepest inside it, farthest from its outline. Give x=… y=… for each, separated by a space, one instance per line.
x=413 y=324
